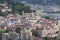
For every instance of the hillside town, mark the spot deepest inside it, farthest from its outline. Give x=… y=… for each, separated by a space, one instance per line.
x=38 y=25
x=28 y=26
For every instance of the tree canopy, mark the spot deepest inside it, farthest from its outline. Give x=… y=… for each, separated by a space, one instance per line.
x=20 y=8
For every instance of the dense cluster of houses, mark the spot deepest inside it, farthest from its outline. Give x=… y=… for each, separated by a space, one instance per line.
x=27 y=22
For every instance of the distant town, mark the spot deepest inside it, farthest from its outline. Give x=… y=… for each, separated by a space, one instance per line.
x=24 y=21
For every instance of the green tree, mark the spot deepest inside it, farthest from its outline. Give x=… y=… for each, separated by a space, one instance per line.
x=45 y=38
x=8 y=30
x=20 y=8
x=58 y=39
x=49 y=38
x=1 y=34
x=47 y=17
x=9 y=1
x=35 y=33
x=2 y=1
x=17 y=30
